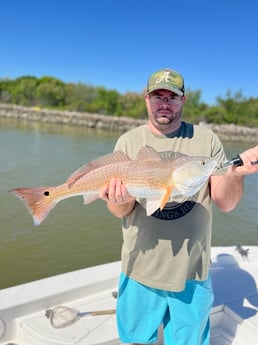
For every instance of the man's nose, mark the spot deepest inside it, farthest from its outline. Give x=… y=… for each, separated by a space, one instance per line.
x=164 y=102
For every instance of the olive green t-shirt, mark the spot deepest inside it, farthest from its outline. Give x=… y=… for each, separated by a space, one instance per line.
x=173 y=245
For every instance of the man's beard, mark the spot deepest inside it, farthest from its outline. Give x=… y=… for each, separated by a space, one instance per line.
x=165 y=117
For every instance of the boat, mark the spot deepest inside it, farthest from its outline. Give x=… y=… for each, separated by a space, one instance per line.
x=78 y=307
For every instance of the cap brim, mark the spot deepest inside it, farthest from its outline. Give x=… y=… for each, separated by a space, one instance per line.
x=165 y=87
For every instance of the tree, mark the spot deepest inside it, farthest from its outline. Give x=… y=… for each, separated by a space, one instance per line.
x=23 y=90
x=50 y=92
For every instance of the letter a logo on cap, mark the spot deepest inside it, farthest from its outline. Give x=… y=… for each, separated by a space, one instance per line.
x=164 y=77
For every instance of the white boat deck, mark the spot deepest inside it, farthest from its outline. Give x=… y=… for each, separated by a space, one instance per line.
x=234 y=318
x=87 y=330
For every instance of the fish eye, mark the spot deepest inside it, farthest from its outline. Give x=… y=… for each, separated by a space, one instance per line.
x=203 y=162
x=46 y=193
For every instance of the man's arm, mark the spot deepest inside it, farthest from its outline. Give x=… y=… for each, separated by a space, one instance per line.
x=227 y=190
x=119 y=202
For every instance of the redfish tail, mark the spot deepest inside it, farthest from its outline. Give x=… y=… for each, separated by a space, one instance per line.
x=37 y=201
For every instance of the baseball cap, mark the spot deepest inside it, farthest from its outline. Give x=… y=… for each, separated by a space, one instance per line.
x=166 y=79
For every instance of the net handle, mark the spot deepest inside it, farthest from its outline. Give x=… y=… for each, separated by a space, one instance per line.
x=97 y=312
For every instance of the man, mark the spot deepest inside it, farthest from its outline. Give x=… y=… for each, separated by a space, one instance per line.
x=165 y=257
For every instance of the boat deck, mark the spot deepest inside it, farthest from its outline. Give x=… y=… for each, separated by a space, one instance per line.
x=234 y=318
x=87 y=330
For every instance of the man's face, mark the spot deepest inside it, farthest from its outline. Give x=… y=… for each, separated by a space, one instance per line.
x=164 y=109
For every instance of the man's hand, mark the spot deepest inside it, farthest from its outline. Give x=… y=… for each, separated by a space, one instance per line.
x=116 y=192
x=119 y=201
x=250 y=160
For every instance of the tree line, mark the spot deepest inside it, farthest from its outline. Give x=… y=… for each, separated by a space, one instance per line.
x=52 y=93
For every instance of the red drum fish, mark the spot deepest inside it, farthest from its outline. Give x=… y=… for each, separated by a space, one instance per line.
x=150 y=176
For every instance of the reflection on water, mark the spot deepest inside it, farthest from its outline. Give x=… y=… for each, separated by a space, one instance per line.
x=76 y=236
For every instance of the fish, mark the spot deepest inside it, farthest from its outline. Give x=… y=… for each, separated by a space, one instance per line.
x=150 y=176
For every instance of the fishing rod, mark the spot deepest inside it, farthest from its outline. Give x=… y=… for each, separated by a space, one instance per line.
x=236 y=162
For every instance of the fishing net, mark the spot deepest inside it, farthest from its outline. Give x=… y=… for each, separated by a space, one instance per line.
x=61 y=316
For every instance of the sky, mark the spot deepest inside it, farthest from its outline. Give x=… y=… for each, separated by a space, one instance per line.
x=117 y=44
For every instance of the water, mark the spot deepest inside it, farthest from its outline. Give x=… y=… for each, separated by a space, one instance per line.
x=76 y=236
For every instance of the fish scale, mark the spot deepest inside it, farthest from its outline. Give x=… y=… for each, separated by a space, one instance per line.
x=134 y=173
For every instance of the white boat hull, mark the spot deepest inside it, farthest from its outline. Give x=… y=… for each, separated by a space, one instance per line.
x=234 y=318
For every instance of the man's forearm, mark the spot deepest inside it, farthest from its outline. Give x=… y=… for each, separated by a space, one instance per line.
x=227 y=190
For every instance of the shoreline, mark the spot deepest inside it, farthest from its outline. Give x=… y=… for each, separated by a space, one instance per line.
x=228 y=132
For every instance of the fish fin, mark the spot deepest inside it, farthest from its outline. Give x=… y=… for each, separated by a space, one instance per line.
x=88 y=198
x=148 y=152
x=37 y=200
x=117 y=156
x=152 y=205
x=166 y=196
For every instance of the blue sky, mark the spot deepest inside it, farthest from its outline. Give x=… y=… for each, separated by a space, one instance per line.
x=119 y=43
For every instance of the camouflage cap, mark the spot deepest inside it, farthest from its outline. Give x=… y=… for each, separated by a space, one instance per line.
x=166 y=79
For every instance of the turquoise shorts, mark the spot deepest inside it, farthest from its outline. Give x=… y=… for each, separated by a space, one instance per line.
x=184 y=315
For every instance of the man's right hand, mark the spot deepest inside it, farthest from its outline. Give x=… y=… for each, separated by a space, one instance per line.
x=119 y=201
